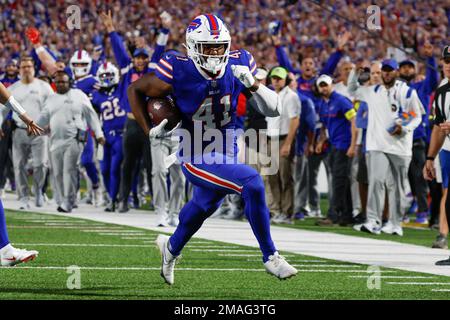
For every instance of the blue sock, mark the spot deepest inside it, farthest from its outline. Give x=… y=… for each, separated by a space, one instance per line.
x=258 y=215
x=3 y=232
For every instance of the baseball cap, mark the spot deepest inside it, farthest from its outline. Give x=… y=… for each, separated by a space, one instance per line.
x=140 y=52
x=279 y=72
x=324 y=78
x=407 y=62
x=446 y=52
x=389 y=63
x=261 y=74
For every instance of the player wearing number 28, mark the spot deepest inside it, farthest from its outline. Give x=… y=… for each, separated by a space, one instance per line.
x=205 y=86
x=113 y=117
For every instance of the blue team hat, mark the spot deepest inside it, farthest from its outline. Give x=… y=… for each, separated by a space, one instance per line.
x=13 y=62
x=407 y=62
x=390 y=63
x=140 y=52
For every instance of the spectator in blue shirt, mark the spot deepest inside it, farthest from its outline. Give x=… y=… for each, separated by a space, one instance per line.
x=338 y=116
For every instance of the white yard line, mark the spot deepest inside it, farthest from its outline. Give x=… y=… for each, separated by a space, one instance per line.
x=393 y=277
x=179 y=269
x=440 y=290
x=420 y=283
x=80 y=245
x=324 y=245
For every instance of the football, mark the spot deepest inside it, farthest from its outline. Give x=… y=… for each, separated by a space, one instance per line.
x=163 y=108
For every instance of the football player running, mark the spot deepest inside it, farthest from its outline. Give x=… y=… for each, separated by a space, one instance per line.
x=206 y=85
x=10 y=256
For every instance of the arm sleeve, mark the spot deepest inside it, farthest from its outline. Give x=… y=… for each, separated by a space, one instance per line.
x=310 y=115
x=332 y=63
x=283 y=59
x=160 y=47
x=431 y=77
x=119 y=50
x=268 y=102
x=439 y=116
x=92 y=117
x=353 y=85
x=294 y=106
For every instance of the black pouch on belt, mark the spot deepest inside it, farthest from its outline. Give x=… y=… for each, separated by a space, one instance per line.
x=82 y=135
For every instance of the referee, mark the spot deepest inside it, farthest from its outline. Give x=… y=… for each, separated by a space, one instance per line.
x=441 y=105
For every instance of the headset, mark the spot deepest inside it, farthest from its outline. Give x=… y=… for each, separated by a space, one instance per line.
x=268 y=79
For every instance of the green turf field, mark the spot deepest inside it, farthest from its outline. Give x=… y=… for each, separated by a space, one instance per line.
x=118 y=262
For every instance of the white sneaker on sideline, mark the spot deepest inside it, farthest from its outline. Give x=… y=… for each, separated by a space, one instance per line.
x=172 y=220
x=388 y=228
x=398 y=231
x=370 y=228
x=317 y=213
x=97 y=197
x=167 y=259
x=24 y=205
x=279 y=267
x=16 y=256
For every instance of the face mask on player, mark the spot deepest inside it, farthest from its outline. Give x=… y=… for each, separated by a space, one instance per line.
x=80 y=63
x=107 y=75
x=212 y=62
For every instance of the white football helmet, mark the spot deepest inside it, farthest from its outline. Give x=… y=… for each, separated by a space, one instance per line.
x=80 y=57
x=207 y=29
x=107 y=75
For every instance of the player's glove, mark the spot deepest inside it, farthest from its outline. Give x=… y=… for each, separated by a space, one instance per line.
x=159 y=131
x=33 y=35
x=243 y=74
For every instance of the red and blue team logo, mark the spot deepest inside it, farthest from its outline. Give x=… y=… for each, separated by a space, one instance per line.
x=194 y=25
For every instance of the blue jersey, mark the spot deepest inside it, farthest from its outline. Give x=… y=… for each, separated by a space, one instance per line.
x=86 y=84
x=208 y=102
x=113 y=117
x=307 y=124
x=336 y=114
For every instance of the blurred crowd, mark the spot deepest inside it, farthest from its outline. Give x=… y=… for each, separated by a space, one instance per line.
x=308 y=27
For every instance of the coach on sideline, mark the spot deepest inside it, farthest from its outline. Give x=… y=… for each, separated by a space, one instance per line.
x=68 y=114
x=338 y=117
x=441 y=106
x=32 y=94
x=389 y=144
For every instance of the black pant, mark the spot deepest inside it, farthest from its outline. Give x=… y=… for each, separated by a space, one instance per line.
x=419 y=186
x=136 y=146
x=6 y=169
x=436 y=196
x=341 y=200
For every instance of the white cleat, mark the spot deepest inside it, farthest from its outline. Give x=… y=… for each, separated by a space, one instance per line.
x=279 y=267
x=16 y=256
x=168 y=260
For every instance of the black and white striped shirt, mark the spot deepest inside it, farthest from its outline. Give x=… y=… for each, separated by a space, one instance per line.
x=441 y=103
